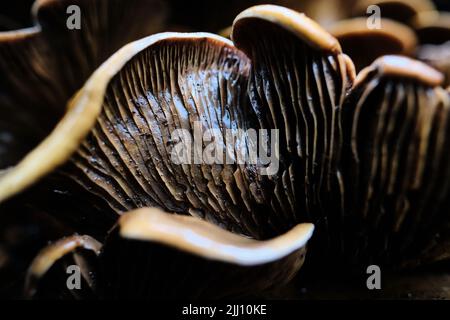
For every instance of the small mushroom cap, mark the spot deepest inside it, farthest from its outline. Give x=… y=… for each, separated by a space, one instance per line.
x=400 y=10
x=214 y=263
x=297 y=23
x=206 y=240
x=74 y=248
x=226 y=32
x=42 y=263
x=400 y=66
x=395 y=162
x=364 y=44
x=151 y=253
x=432 y=27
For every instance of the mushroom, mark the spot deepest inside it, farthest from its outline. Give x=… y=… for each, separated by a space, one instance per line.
x=154 y=254
x=331 y=147
x=68 y=255
x=403 y=11
x=112 y=147
x=433 y=30
x=298 y=81
x=395 y=163
x=364 y=45
x=194 y=80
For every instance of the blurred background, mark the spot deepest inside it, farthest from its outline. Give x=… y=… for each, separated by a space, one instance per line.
x=195 y=15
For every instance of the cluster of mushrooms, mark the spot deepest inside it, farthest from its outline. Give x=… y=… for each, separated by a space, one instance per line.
x=86 y=118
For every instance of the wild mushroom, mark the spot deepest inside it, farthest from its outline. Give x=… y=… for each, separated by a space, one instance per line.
x=113 y=151
x=153 y=254
x=298 y=81
x=433 y=30
x=125 y=160
x=364 y=45
x=403 y=11
x=114 y=141
x=395 y=163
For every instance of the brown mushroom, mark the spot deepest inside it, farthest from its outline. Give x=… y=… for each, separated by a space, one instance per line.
x=153 y=254
x=364 y=45
x=298 y=82
x=48 y=274
x=432 y=27
x=433 y=30
x=365 y=190
x=40 y=68
x=124 y=162
x=403 y=11
x=395 y=163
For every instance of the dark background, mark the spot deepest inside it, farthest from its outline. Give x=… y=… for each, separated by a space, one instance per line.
x=200 y=15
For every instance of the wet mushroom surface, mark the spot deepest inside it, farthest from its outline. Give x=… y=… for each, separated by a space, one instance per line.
x=222 y=156
x=115 y=164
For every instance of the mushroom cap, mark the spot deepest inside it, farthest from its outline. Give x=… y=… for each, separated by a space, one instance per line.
x=364 y=45
x=284 y=73
x=75 y=250
x=296 y=23
x=215 y=263
x=433 y=30
x=403 y=11
x=130 y=141
x=432 y=27
x=114 y=142
x=402 y=67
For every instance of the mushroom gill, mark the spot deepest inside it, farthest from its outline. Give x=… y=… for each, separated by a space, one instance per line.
x=432 y=27
x=395 y=163
x=364 y=162
x=134 y=102
x=153 y=254
x=298 y=81
x=129 y=109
